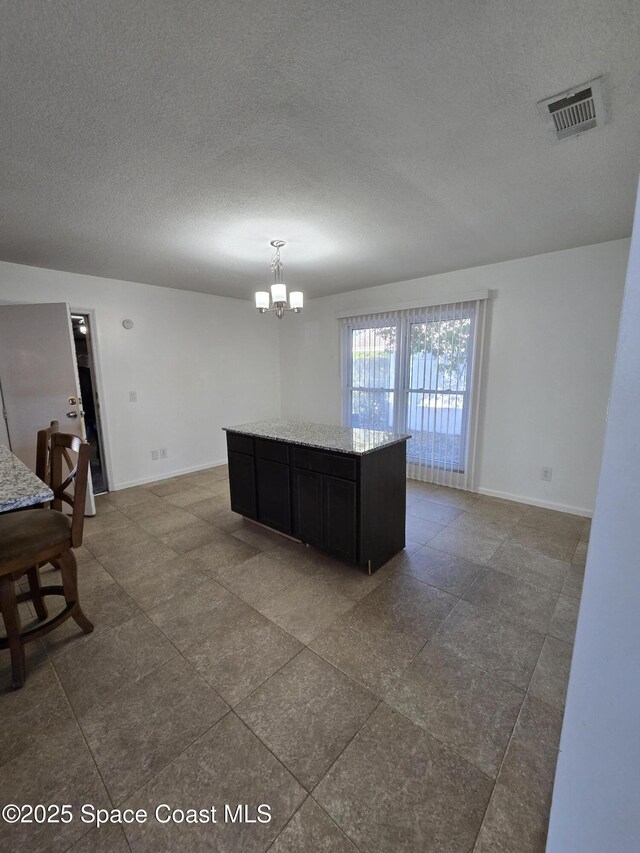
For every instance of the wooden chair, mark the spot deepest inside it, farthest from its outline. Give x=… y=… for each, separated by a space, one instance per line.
x=43 y=470
x=33 y=537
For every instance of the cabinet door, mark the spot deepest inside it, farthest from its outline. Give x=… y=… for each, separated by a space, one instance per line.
x=274 y=497
x=340 y=518
x=242 y=484
x=308 y=507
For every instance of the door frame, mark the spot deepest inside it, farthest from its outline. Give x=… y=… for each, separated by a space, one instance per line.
x=97 y=377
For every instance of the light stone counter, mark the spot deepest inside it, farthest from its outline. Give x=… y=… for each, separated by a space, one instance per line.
x=19 y=487
x=324 y=436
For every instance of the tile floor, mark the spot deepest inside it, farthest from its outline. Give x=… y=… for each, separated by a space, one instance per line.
x=415 y=710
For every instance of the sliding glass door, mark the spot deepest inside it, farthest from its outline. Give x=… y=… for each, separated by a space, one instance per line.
x=412 y=372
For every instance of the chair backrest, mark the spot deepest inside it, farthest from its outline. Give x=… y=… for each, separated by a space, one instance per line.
x=62 y=445
x=43 y=450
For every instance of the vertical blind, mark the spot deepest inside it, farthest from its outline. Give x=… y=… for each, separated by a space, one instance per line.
x=417 y=371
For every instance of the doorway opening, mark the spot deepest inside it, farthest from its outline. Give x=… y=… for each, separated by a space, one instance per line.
x=90 y=402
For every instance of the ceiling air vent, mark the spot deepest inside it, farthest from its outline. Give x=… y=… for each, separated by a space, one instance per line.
x=574 y=111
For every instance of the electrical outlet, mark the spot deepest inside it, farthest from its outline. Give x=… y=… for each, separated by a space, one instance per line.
x=154 y=455
x=546 y=474
x=133 y=396
x=163 y=453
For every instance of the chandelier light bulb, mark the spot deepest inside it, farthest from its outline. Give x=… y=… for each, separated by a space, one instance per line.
x=262 y=300
x=295 y=300
x=278 y=293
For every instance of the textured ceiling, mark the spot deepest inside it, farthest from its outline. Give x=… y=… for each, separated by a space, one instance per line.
x=167 y=142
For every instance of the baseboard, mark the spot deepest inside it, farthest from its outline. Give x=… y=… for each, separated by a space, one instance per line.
x=572 y=510
x=167 y=475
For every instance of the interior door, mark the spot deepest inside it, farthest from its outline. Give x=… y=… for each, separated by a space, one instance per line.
x=39 y=377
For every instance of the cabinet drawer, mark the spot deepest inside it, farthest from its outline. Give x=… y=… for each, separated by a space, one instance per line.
x=274 y=451
x=325 y=463
x=240 y=443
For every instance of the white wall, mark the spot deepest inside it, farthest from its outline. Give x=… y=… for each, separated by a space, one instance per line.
x=595 y=800
x=197 y=362
x=551 y=338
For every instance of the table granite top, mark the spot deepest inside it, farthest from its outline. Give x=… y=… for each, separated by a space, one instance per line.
x=350 y=440
x=19 y=487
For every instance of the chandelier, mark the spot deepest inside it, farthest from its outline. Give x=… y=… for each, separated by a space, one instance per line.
x=279 y=302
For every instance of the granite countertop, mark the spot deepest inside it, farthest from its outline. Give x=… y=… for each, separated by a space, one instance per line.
x=357 y=442
x=19 y=487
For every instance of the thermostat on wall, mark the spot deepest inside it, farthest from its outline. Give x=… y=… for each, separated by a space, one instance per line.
x=127 y=324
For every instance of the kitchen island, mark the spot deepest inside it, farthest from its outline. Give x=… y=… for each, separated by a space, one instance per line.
x=339 y=489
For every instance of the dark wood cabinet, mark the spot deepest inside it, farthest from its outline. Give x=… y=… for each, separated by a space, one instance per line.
x=340 y=517
x=274 y=495
x=308 y=523
x=242 y=484
x=351 y=506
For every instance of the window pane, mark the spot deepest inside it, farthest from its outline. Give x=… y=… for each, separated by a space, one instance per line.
x=372 y=410
x=435 y=413
x=373 y=359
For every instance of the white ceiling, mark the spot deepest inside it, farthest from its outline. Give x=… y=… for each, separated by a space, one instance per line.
x=167 y=142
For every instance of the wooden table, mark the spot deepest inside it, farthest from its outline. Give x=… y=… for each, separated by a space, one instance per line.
x=19 y=487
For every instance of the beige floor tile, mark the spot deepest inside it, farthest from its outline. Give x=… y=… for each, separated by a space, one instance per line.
x=312 y=829
x=174 y=518
x=493 y=642
x=53 y=770
x=352 y=581
x=580 y=555
x=408 y=605
x=373 y=653
x=555 y=544
x=206 y=509
x=258 y=578
x=532 y=606
x=574 y=580
x=193 y=536
x=222 y=517
x=475 y=524
x=34 y=713
x=461 y=705
x=190 y=495
x=130 y=497
x=553 y=521
x=529 y=765
x=92 y=672
x=511 y=827
x=91 y=575
x=150 y=586
x=470 y=546
x=551 y=675
x=123 y=561
x=306 y=714
x=104 y=522
x=105 y=839
x=176 y=705
x=565 y=619
x=242 y=653
x=420 y=530
x=305 y=608
x=221 y=553
x=498 y=509
x=191 y=616
x=259 y=537
x=105 y=542
x=227 y=765
x=529 y=566
x=397 y=790
x=432 y=511
x=105 y=607
x=154 y=506
x=166 y=487
x=446 y=571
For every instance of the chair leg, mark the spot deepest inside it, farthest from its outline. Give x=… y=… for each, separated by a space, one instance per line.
x=69 y=570
x=36 y=596
x=13 y=627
